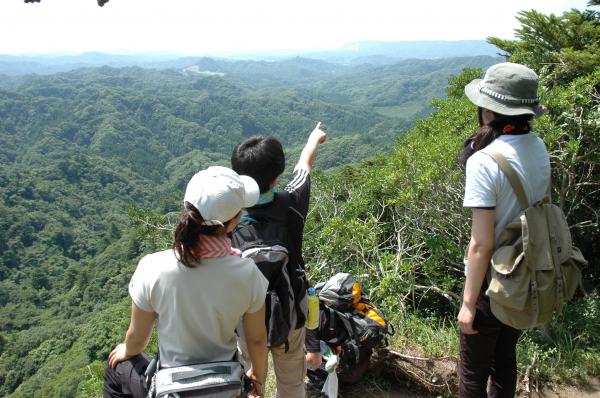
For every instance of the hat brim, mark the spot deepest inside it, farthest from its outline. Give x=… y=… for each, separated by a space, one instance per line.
x=473 y=92
x=252 y=191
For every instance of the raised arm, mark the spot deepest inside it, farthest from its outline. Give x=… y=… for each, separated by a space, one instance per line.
x=255 y=334
x=137 y=337
x=307 y=156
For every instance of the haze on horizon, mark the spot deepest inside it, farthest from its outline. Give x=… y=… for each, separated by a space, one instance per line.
x=189 y=27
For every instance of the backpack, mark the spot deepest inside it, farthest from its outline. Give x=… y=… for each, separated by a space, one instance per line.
x=207 y=380
x=535 y=268
x=262 y=236
x=225 y=379
x=345 y=305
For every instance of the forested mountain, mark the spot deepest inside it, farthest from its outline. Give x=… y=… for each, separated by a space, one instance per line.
x=93 y=163
x=145 y=119
x=398 y=89
x=85 y=152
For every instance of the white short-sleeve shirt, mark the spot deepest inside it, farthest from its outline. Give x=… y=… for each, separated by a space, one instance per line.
x=198 y=308
x=487 y=186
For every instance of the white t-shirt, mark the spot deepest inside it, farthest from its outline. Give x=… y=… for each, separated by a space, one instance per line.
x=487 y=186
x=198 y=308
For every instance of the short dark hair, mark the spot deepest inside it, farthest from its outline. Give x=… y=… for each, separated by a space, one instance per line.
x=261 y=158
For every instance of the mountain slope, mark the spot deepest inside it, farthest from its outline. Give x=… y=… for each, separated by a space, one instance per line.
x=78 y=149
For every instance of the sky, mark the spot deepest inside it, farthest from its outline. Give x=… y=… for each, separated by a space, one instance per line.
x=225 y=27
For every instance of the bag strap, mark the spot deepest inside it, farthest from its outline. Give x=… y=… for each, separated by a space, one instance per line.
x=348 y=325
x=533 y=283
x=331 y=320
x=352 y=333
x=508 y=170
x=211 y=370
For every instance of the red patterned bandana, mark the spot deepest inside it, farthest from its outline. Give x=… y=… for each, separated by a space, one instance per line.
x=511 y=129
x=216 y=246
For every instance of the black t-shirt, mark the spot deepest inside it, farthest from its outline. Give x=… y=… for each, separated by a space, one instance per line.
x=299 y=191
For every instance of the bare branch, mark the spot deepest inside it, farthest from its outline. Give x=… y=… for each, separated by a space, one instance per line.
x=452 y=297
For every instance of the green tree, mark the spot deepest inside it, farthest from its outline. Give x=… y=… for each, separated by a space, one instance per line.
x=561 y=48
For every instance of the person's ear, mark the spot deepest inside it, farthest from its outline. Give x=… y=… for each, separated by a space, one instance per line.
x=231 y=224
x=275 y=182
x=487 y=116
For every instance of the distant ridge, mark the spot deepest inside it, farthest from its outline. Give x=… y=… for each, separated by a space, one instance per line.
x=358 y=53
x=386 y=52
x=419 y=49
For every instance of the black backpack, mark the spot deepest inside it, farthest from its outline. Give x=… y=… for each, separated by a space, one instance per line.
x=262 y=236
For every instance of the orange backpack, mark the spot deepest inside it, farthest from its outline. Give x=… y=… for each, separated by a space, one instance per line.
x=366 y=326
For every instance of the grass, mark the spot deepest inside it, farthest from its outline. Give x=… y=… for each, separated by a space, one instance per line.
x=570 y=354
x=270 y=384
x=430 y=337
x=413 y=334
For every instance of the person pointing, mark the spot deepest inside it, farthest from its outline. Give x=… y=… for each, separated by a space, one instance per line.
x=262 y=158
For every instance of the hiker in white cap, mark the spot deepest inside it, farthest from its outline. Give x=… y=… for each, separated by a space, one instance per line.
x=197 y=291
x=507 y=101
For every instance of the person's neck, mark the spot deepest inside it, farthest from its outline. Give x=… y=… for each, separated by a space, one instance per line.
x=266 y=197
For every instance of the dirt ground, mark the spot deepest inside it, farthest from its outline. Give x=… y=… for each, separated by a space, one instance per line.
x=589 y=391
x=405 y=377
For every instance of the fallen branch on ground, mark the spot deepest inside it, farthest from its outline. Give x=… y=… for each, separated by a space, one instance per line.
x=404 y=356
x=527 y=377
x=431 y=374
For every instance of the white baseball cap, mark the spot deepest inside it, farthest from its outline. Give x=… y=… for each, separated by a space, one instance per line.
x=219 y=193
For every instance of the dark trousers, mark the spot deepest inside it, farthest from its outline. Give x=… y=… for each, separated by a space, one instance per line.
x=127 y=379
x=489 y=353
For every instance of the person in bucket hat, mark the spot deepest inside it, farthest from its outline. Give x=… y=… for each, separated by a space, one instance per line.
x=507 y=101
x=197 y=291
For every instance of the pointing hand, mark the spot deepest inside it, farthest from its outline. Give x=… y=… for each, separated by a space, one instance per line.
x=318 y=135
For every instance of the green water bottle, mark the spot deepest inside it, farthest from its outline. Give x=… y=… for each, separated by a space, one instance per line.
x=312 y=320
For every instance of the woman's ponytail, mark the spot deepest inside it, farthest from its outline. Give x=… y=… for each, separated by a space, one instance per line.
x=487 y=133
x=187 y=235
